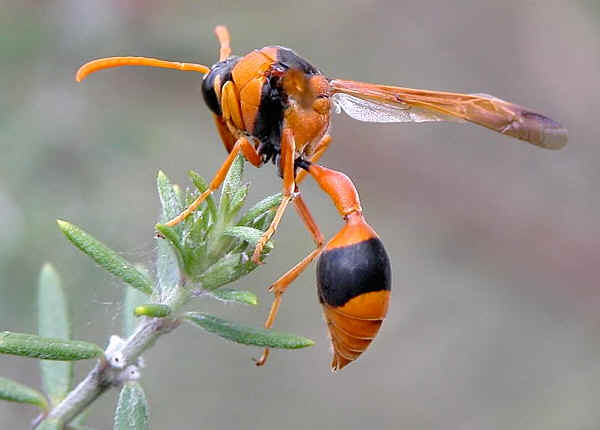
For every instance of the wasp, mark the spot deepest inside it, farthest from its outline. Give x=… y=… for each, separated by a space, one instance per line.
x=272 y=105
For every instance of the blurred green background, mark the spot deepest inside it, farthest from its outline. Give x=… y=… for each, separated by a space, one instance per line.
x=495 y=244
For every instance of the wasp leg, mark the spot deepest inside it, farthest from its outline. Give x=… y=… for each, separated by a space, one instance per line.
x=230 y=122
x=249 y=153
x=288 y=150
x=230 y=106
x=279 y=286
x=226 y=135
x=320 y=149
x=223 y=38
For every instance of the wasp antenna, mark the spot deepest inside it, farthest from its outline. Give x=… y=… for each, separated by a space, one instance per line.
x=108 y=63
x=223 y=38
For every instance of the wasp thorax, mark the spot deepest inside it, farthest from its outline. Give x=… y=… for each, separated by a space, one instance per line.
x=321 y=105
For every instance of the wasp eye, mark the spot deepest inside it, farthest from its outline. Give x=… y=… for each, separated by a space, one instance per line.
x=321 y=105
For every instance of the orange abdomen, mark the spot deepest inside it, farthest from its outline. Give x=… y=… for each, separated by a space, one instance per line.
x=353 y=279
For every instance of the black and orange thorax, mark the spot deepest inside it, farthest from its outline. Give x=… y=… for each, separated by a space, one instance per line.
x=275 y=88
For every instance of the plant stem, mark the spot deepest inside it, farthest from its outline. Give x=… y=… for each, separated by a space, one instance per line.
x=111 y=369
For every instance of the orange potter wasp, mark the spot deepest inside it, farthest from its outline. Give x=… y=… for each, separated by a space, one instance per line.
x=273 y=105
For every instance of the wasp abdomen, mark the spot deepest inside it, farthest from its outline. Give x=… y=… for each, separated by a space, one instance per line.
x=353 y=279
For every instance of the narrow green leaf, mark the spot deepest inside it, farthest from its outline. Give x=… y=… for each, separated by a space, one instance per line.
x=153 y=310
x=247 y=234
x=46 y=348
x=195 y=233
x=263 y=222
x=53 y=321
x=250 y=236
x=179 y=195
x=167 y=268
x=228 y=269
x=259 y=209
x=247 y=335
x=238 y=199
x=106 y=257
x=133 y=298
x=171 y=205
x=231 y=185
x=173 y=237
x=132 y=408
x=202 y=186
x=236 y=296
x=12 y=391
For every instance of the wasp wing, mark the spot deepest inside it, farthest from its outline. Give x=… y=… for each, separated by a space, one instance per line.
x=382 y=103
x=376 y=111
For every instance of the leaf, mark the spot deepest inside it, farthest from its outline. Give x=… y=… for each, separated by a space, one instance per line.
x=238 y=199
x=14 y=392
x=246 y=234
x=30 y=345
x=106 y=257
x=153 y=310
x=179 y=195
x=132 y=408
x=231 y=185
x=133 y=298
x=173 y=237
x=236 y=296
x=228 y=269
x=259 y=209
x=167 y=269
x=53 y=321
x=247 y=335
x=171 y=205
x=249 y=236
x=202 y=186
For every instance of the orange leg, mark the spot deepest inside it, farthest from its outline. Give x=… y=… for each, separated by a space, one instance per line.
x=249 y=153
x=288 y=150
x=230 y=106
x=279 y=286
x=223 y=37
x=315 y=156
x=230 y=122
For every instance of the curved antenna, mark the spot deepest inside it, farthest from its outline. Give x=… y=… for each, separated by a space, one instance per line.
x=108 y=63
x=223 y=38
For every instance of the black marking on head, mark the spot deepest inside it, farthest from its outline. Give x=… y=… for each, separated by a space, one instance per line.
x=269 y=118
x=346 y=272
x=222 y=69
x=291 y=60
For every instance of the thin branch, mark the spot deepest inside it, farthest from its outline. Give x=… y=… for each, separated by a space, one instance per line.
x=111 y=370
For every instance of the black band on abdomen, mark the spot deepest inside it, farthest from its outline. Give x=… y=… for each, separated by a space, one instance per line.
x=349 y=271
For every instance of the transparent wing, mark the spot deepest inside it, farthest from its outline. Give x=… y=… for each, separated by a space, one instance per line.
x=382 y=103
x=375 y=111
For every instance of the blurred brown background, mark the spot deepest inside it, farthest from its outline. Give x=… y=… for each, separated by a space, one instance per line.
x=495 y=244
